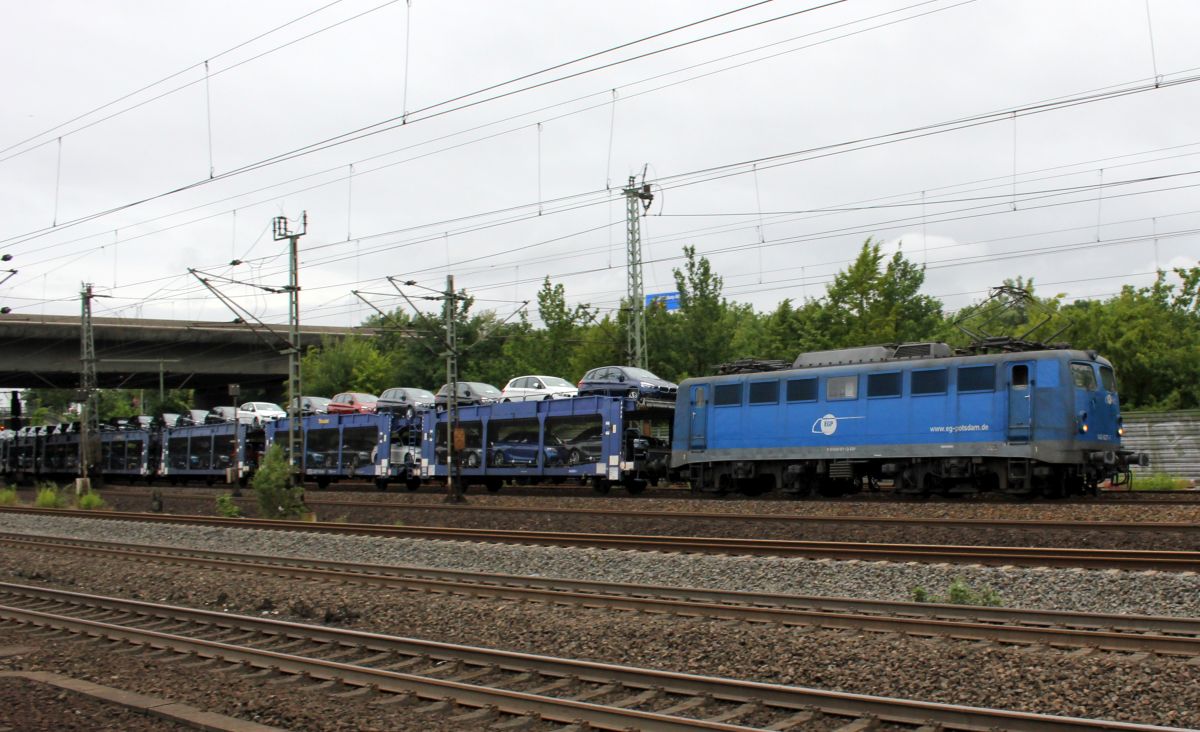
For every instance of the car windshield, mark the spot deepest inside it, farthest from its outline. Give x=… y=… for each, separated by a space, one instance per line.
x=260 y=406
x=555 y=381
x=365 y=397
x=639 y=373
x=420 y=395
x=486 y=389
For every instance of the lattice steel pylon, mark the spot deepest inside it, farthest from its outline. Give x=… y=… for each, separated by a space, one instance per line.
x=89 y=420
x=637 y=201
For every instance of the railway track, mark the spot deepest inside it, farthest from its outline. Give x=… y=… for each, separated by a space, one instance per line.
x=1148 y=527
x=481 y=687
x=1074 y=631
x=1131 y=559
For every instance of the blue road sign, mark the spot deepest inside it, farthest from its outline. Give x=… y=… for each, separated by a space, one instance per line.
x=669 y=299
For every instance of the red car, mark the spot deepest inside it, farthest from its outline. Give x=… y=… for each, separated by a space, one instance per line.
x=351 y=402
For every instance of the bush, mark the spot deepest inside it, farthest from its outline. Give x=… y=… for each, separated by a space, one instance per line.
x=227 y=507
x=48 y=496
x=959 y=593
x=273 y=487
x=8 y=496
x=91 y=501
x=1159 y=482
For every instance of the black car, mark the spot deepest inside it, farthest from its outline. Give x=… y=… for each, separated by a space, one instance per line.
x=404 y=400
x=584 y=447
x=469 y=393
x=626 y=381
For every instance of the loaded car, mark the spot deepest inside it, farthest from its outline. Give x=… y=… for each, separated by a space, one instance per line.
x=351 y=402
x=626 y=381
x=259 y=413
x=529 y=388
x=404 y=400
x=314 y=405
x=470 y=393
x=521 y=448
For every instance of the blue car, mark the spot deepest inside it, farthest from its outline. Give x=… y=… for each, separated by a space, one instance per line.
x=626 y=381
x=521 y=448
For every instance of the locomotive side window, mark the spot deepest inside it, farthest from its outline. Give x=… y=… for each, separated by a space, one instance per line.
x=841 y=387
x=883 y=385
x=977 y=378
x=802 y=390
x=1108 y=378
x=928 y=382
x=727 y=394
x=1083 y=376
x=764 y=392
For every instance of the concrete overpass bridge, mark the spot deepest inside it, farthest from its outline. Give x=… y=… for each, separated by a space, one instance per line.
x=44 y=351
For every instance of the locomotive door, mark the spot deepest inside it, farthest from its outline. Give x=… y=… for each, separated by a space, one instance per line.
x=1020 y=402
x=698 y=422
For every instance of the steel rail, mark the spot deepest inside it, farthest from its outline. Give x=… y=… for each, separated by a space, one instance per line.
x=955 y=523
x=1061 y=629
x=777 y=698
x=1135 y=559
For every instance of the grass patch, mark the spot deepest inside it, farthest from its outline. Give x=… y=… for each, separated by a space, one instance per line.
x=49 y=496
x=8 y=496
x=227 y=507
x=91 y=501
x=959 y=593
x=1159 y=482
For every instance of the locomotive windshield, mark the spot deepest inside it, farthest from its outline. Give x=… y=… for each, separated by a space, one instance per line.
x=1083 y=376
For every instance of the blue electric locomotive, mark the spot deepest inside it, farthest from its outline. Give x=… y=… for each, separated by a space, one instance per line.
x=1024 y=423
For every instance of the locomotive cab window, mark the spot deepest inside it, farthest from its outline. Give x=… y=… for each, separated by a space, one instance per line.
x=883 y=385
x=1083 y=376
x=764 y=392
x=841 y=387
x=802 y=390
x=1020 y=376
x=928 y=382
x=727 y=394
x=977 y=378
x=1108 y=378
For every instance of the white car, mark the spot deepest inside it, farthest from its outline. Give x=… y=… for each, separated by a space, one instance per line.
x=533 y=388
x=258 y=413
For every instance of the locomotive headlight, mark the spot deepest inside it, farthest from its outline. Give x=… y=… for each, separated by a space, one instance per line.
x=1120 y=431
x=1083 y=428
x=1083 y=422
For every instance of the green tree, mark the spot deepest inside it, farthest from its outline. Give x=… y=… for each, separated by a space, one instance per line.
x=1152 y=336
x=873 y=302
x=704 y=320
x=348 y=364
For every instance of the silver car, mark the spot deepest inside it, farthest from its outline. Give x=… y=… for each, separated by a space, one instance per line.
x=536 y=388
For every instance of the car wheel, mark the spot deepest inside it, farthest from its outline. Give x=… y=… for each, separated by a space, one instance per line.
x=472 y=460
x=547 y=398
x=632 y=394
x=498 y=459
x=410 y=412
x=573 y=458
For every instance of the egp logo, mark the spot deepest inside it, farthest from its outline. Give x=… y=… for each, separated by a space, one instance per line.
x=828 y=424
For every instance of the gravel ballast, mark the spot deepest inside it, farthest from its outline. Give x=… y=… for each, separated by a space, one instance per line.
x=1104 y=685
x=1109 y=591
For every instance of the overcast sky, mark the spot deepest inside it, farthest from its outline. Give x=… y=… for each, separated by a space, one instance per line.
x=504 y=187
